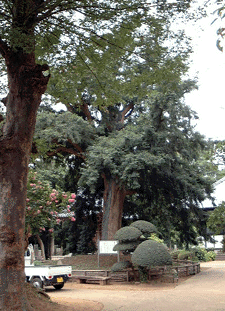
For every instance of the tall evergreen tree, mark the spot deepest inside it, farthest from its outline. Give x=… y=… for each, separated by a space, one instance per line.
x=155 y=156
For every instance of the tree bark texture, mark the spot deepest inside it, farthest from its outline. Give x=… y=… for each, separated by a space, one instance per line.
x=42 y=247
x=26 y=85
x=52 y=245
x=114 y=196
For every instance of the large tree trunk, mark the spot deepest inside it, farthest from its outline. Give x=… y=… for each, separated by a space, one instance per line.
x=26 y=85
x=114 y=196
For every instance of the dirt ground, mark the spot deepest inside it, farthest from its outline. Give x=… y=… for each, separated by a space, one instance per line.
x=39 y=302
x=67 y=304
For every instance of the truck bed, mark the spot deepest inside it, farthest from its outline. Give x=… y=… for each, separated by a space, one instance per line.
x=48 y=270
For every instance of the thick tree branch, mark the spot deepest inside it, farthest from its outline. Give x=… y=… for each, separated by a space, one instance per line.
x=86 y=111
x=84 y=108
x=126 y=109
x=61 y=149
x=4 y=48
x=75 y=146
x=130 y=192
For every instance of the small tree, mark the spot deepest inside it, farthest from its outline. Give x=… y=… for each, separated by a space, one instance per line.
x=216 y=222
x=146 y=252
x=42 y=207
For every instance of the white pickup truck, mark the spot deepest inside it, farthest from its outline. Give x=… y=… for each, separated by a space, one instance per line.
x=41 y=276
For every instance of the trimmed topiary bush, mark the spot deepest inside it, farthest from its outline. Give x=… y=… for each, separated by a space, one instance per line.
x=127 y=234
x=151 y=253
x=144 y=226
x=147 y=253
x=128 y=247
x=120 y=266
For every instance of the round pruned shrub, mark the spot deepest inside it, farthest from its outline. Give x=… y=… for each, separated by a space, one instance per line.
x=151 y=253
x=145 y=227
x=127 y=234
x=126 y=246
x=120 y=266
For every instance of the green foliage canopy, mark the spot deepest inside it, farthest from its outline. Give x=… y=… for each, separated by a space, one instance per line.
x=216 y=220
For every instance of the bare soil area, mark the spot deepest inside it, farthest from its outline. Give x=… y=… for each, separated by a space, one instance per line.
x=40 y=302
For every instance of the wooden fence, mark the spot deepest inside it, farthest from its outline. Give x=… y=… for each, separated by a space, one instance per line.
x=179 y=268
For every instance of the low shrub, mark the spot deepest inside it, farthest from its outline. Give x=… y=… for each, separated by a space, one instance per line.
x=200 y=253
x=185 y=255
x=210 y=256
x=210 y=249
x=175 y=254
x=154 y=237
x=195 y=254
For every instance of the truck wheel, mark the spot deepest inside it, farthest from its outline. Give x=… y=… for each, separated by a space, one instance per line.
x=58 y=286
x=37 y=282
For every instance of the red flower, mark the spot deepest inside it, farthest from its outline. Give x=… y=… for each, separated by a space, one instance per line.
x=73 y=195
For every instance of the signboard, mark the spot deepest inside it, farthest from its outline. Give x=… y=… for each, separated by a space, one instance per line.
x=106 y=247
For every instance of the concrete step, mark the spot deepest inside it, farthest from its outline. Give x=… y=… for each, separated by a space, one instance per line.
x=220 y=257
